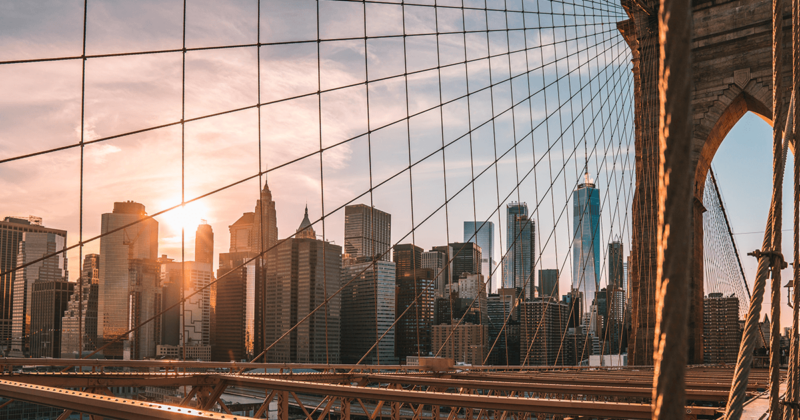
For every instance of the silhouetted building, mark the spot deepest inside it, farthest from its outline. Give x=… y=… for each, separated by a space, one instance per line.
x=368 y=311
x=449 y=268
x=265 y=223
x=204 y=244
x=504 y=327
x=117 y=274
x=34 y=245
x=367 y=232
x=482 y=233
x=305 y=272
x=415 y=298
x=574 y=299
x=542 y=326
x=196 y=309
x=548 y=283
x=586 y=241
x=616 y=266
x=11 y=233
x=721 y=334
x=81 y=314
x=241 y=231
x=48 y=303
x=407 y=259
x=466 y=258
x=520 y=249
x=577 y=347
x=234 y=309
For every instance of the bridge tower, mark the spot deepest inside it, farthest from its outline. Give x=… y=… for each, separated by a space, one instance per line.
x=732 y=74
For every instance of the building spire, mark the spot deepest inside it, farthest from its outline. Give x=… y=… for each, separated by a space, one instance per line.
x=306 y=231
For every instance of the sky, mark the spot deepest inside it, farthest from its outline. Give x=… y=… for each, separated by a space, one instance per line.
x=578 y=117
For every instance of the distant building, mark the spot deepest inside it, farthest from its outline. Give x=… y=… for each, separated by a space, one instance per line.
x=504 y=327
x=34 y=245
x=482 y=233
x=303 y=274
x=721 y=334
x=437 y=261
x=234 y=310
x=367 y=232
x=415 y=298
x=578 y=347
x=543 y=327
x=548 y=283
x=118 y=276
x=520 y=249
x=616 y=266
x=80 y=316
x=48 y=303
x=368 y=311
x=265 y=223
x=449 y=268
x=144 y=302
x=204 y=244
x=586 y=241
x=464 y=343
x=11 y=233
x=196 y=329
x=407 y=259
x=466 y=258
x=241 y=231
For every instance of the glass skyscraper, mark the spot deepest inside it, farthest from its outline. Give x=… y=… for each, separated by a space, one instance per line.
x=485 y=239
x=520 y=244
x=586 y=241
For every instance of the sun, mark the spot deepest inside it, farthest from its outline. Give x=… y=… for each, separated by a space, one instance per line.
x=185 y=217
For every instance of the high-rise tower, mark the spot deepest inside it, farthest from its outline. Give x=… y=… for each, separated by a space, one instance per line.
x=204 y=244
x=482 y=233
x=367 y=232
x=586 y=241
x=127 y=257
x=520 y=245
x=265 y=223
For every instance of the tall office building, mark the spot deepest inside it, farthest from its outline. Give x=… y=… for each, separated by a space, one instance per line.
x=306 y=271
x=465 y=343
x=542 y=325
x=118 y=274
x=48 y=302
x=586 y=241
x=241 y=232
x=11 y=231
x=436 y=260
x=204 y=244
x=33 y=246
x=367 y=232
x=265 y=223
x=448 y=276
x=521 y=249
x=144 y=301
x=466 y=259
x=407 y=259
x=234 y=311
x=373 y=288
x=415 y=298
x=196 y=331
x=548 y=283
x=482 y=233
x=80 y=317
x=721 y=335
x=503 y=310
x=616 y=266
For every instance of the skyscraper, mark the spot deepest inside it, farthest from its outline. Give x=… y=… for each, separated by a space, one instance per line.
x=448 y=274
x=81 y=314
x=616 y=266
x=504 y=327
x=415 y=297
x=305 y=272
x=542 y=325
x=407 y=258
x=48 y=303
x=367 y=232
x=436 y=260
x=368 y=311
x=466 y=259
x=586 y=241
x=118 y=273
x=234 y=310
x=548 y=283
x=265 y=223
x=520 y=246
x=204 y=244
x=33 y=246
x=241 y=232
x=196 y=309
x=485 y=240
x=11 y=231
x=721 y=335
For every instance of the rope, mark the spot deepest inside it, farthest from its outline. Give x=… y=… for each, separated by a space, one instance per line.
x=792 y=389
x=737 y=395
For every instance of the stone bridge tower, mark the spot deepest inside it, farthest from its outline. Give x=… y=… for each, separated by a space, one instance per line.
x=732 y=74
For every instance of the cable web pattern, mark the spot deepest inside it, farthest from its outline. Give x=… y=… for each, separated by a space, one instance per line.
x=435 y=112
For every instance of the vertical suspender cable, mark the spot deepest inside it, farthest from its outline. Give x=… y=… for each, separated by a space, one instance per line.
x=674 y=210
x=791 y=382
